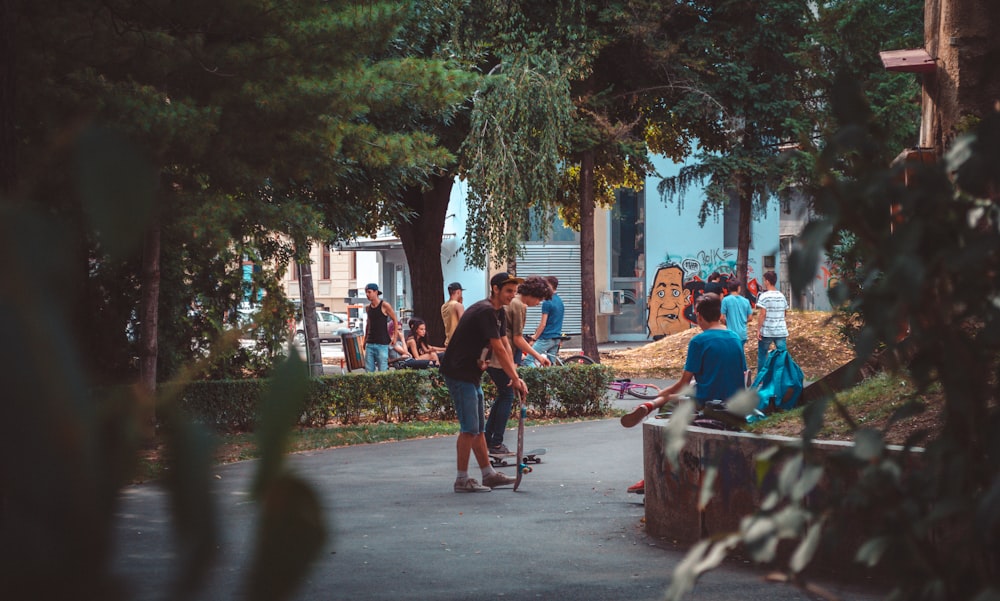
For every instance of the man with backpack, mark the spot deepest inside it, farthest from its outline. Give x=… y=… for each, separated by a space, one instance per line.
x=772 y=327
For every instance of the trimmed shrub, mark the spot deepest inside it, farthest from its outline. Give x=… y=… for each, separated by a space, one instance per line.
x=392 y=396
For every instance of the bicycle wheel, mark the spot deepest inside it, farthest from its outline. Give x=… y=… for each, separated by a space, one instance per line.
x=578 y=360
x=645 y=392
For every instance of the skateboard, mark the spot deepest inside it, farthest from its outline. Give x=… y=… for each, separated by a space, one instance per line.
x=521 y=467
x=501 y=459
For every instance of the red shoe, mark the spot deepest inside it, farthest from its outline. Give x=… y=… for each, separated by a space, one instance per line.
x=638 y=488
x=638 y=414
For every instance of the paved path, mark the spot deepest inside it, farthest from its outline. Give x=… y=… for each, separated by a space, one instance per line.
x=571 y=532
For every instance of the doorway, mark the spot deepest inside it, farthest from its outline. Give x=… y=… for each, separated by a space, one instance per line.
x=628 y=264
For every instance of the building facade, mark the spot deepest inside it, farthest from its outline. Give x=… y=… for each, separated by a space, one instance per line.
x=645 y=248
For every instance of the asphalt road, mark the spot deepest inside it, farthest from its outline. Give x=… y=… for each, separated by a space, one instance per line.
x=570 y=532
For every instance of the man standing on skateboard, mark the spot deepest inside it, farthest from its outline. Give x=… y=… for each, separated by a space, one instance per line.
x=480 y=335
x=531 y=293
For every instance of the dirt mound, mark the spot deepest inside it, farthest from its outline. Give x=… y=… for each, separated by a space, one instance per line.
x=814 y=342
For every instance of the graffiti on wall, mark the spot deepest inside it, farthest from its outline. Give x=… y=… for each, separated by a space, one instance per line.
x=705 y=262
x=667 y=301
x=827 y=276
x=679 y=283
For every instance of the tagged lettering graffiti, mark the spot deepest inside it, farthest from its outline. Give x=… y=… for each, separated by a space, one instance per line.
x=705 y=262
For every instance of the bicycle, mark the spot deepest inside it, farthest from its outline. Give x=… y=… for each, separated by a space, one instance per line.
x=623 y=386
x=555 y=359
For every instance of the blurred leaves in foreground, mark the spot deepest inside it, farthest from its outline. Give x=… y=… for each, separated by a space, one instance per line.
x=920 y=276
x=67 y=450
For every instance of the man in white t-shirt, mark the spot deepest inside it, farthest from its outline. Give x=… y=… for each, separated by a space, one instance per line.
x=771 y=327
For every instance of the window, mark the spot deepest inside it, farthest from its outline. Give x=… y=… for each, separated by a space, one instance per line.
x=557 y=233
x=731 y=222
x=326 y=263
x=627 y=231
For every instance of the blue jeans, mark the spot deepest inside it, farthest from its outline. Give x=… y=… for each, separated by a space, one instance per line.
x=764 y=344
x=469 y=405
x=376 y=357
x=541 y=346
x=500 y=412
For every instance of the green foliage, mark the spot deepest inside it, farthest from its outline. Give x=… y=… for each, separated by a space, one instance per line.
x=927 y=298
x=568 y=390
x=513 y=155
x=393 y=396
x=71 y=444
x=245 y=120
x=743 y=73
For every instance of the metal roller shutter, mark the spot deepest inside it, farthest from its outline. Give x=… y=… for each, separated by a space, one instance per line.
x=562 y=261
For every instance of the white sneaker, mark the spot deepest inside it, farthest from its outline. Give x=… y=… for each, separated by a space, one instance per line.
x=470 y=485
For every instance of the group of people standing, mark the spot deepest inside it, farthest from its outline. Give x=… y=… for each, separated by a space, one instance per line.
x=736 y=312
x=489 y=336
x=385 y=341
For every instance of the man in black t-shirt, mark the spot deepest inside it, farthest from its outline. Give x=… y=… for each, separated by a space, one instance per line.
x=480 y=334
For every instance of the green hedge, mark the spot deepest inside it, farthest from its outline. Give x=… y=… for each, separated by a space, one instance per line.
x=399 y=395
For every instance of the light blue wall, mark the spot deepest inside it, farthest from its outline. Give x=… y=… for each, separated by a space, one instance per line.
x=452 y=259
x=673 y=235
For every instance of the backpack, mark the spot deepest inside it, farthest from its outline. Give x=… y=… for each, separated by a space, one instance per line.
x=779 y=382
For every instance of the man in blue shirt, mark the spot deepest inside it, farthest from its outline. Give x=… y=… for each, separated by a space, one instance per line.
x=715 y=361
x=550 y=328
x=736 y=310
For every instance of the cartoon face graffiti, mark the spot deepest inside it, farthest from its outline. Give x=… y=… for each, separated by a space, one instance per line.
x=667 y=298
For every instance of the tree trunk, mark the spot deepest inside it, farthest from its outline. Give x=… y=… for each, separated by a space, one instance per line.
x=314 y=353
x=421 y=238
x=148 y=326
x=745 y=194
x=961 y=36
x=588 y=285
x=8 y=88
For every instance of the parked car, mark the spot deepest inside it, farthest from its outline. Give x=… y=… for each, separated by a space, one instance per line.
x=331 y=328
x=355 y=322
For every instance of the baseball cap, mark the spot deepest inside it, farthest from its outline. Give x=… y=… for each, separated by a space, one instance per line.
x=373 y=286
x=455 y=286
x=503 y=278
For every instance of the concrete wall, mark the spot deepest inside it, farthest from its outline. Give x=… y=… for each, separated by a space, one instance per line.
x=672 y=494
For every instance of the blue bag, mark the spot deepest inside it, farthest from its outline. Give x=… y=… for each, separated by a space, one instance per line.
x=779 y=382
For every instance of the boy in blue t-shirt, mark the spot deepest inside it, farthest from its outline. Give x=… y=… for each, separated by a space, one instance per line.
x=550 y=327
x=736 y=310
x=715 y=360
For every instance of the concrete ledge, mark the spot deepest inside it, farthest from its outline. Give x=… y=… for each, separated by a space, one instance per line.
x=672 y=493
